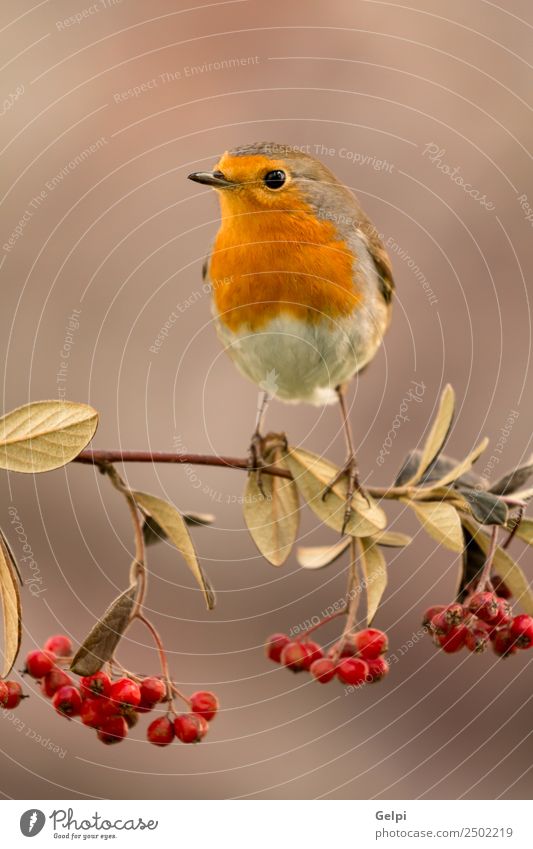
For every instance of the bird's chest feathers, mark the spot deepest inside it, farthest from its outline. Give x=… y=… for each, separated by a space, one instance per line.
x=268 y=263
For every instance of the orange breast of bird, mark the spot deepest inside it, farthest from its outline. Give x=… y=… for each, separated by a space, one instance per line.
x=267 y=262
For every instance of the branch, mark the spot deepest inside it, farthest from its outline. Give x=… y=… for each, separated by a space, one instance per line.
x=103 y=457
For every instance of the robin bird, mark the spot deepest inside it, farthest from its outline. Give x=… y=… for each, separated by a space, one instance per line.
x=302 y=285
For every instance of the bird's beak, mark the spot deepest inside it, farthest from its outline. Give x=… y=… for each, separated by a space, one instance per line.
x=215 y=179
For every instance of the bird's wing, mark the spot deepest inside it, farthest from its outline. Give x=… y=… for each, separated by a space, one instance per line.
x=380 y=257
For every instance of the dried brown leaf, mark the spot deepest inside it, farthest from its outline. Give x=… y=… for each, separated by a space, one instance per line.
x=100 y=644
x=441 y=521
x=172 y=523
x=11 y=608
x=438 y=434
x=45 y=435
x=272 y=515
x=312 y=474
x=374 y=568
x=318 y=556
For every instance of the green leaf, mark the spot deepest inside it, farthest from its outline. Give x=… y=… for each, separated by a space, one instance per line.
x=318 y=556
x=45 y=435
x=487 y=508
x=11 y=608
x=374 y=569
x=438 y=434
x=272 y=516
x=512 y=481
x=172 y=523
x=440 y=467
x=464 y=466
x=100 y=644
x=440 y=520
x=312 y=474
x=509 y=571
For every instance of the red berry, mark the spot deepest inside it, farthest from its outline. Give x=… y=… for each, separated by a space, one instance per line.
x=204 y=704
x=112 y=730
x=454 y=640
x=377 y=669
x=98 y=684
x=275 y=645
x=55 y=679
x=161 y=731
x=352 y=670
x=153 y=690
x=439 y=624
x=190 y=727
x=323 y=669
x=294 y=656
x=477 y=640
x=67 y=701
x=14 y=694
x=370 y=643
x=521 y=629
x=504 y=614
x=500 y=587
x=313 y=651
x=3 y=694
x=125 y=692
x=454 y=613
x=91 y=713
x=430 y=613
x=60 y=645
x=484 y=605
x=39 y=663
x=503 y=642
x=145 y=707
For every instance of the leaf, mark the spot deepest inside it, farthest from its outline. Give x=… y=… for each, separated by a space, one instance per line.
x=442 y=465
x=487 y=508
x=512 y=481
x=464 y=466
x=438 y=433
x=312 y=474
x=318 y=556
x=440 y=520
x=45 y=435
x=272 y=516
x=153 y=533
x=374 y=569
x=11 y=608
x=100 y=644
x=172 y=523
x=509 y=571
x=524 y=530
x=198 y=519
x=472 y=564
x=391 y=539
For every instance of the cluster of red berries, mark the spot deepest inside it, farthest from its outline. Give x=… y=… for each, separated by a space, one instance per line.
x=484 y=619
x=10 y=694
x=356 y=660
x=112 y=707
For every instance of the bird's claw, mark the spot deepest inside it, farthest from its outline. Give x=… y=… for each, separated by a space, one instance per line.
x=350 y=471
x=255 y=461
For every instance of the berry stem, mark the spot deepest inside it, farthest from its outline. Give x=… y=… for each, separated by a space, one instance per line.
x=320 y=624
x=484 y=579
x=352 y=595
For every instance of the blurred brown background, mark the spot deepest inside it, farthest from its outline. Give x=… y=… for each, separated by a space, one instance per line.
x=93 y=181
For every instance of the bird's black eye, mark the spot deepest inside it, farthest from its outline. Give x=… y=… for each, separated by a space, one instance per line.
x=275 y=179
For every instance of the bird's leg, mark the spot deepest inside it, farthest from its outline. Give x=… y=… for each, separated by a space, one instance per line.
x=349 y=470
x=255 y=453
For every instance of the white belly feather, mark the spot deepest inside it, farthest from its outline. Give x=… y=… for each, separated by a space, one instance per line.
x=298 y=361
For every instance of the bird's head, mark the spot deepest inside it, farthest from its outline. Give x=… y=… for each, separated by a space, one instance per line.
x=268 y=176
